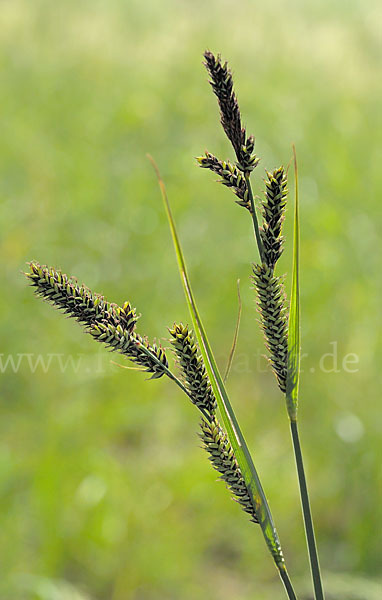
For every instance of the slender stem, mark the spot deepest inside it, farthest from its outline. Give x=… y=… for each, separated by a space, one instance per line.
x=254 y=218
x=287 y=583
x=308 y=522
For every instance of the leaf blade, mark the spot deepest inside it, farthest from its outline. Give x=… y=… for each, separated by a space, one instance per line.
x=294 y=331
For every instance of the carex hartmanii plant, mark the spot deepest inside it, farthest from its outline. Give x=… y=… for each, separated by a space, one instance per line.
x=198 y=375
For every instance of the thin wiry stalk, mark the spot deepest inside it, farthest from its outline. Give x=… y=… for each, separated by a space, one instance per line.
x=252 y=210
x=235 y=337
x=287 y=584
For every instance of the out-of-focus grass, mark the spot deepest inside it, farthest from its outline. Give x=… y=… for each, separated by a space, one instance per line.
x=102 y=482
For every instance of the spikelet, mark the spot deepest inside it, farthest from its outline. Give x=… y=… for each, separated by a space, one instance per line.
x=223 y=460
x=193 y=371
x=271 y=305
x=230 y=177
x=151 y=358
x=273 y=211
x=78 y=301
x=222 y=85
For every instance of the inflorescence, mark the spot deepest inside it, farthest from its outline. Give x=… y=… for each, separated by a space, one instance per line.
x=222 y=84
x=78 y=301
x=273 y=209
x=273 y=319
x=107 y=323
x=193 y=370
x=230 y=177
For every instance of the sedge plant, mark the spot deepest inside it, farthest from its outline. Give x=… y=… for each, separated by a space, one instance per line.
x=196 y=372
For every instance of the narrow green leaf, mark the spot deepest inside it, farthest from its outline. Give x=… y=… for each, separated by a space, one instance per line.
x=230 y=423
x=294 y=342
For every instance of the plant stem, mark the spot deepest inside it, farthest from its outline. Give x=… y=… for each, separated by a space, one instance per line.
x=287 y=583
x=254 y=218
x=308 y=522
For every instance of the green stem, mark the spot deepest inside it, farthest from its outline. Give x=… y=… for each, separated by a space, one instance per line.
x=308 y=522
x=254 y=218
x=287 y=583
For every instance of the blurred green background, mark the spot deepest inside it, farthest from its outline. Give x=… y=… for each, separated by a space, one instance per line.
x=104 y=491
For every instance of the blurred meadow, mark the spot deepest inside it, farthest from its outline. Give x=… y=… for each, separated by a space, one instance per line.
x=105 y=493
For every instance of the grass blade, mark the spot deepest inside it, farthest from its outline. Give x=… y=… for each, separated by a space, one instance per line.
x=294 y=341
x=227 y=414
x=293 y=376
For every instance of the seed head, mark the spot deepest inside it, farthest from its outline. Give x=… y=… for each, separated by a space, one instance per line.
x=230 y=176
x=223 y=460
x=222 y=84
x=193 y=370
x=273 y=215
x=78 y=301
x=273 y=319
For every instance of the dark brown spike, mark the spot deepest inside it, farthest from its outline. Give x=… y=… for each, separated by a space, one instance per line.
x=193 y=370
x=273 y=215
x=222 y=457
x=273 y=318
x=78 y=301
